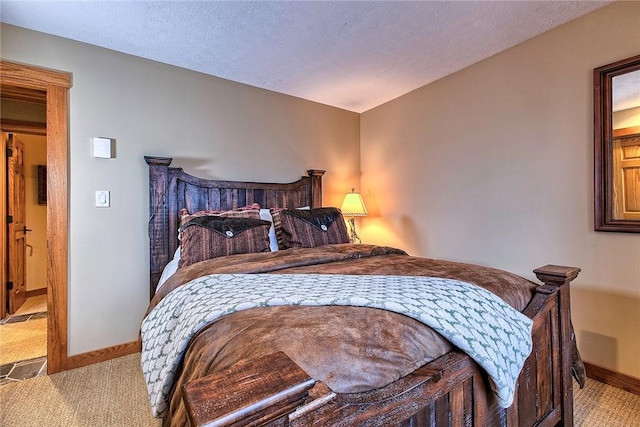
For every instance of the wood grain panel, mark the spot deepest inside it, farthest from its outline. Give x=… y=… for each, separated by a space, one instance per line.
x=57 y=227
x=23 y=94
x=527 y=390
x=20 y=126
x=3 y=225
x=544 y=369
x=30 y=77
x=457 y=408
x=612 y=378
x=442 y=410
x=102 y=355
x=283 y=375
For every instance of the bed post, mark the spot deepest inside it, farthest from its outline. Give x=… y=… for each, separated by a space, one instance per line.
x=158 y=218
x=559 y=278
x=316 y=187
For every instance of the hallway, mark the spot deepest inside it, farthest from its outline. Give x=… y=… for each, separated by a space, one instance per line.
x=23 y=342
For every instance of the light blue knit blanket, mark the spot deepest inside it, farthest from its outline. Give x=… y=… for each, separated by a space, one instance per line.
x=475 y=320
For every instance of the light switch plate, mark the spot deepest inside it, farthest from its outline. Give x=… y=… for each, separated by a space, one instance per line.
x=102 y=199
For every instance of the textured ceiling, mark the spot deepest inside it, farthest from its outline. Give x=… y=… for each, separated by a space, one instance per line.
x=352 y=55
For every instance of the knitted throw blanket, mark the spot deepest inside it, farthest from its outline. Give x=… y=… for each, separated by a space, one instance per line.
x=475 y=320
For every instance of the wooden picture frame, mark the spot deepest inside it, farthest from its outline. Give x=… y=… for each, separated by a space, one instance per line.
x=606 y=186
x=42 y=184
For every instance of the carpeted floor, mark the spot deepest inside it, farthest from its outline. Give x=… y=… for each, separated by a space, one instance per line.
x=37 y=304
x=600 y=405
x=113 y=394
x=107 y=394
x=23 y=340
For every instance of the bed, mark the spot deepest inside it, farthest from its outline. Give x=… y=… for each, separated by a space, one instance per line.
x=294 y=363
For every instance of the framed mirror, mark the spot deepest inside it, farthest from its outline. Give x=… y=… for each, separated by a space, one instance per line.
x=617 y=146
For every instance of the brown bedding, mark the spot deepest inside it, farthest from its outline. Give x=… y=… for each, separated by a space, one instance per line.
x=350 y=349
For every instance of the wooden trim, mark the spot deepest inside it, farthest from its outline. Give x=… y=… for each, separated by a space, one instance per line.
x=561 y=277
x=3 y=225
x=56 y=85
x=282 y=391
x=612 y=378
x=13 y=93
x=633 y=130
x=31 y=77
x=57 y=227
x=20 y=126
x=102 y=355
x=36 y=292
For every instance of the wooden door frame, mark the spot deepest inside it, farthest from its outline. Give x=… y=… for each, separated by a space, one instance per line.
x=3 y=226
x=56 y=85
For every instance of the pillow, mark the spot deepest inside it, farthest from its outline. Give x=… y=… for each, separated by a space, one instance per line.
x=249 y=211
x=265 y=214
x=297 y=228
x=212 y=236
x=169 y=269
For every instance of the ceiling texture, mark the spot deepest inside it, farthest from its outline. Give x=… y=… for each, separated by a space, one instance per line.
x=353 y=55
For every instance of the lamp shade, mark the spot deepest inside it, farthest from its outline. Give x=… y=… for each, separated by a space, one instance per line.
x=353 y=205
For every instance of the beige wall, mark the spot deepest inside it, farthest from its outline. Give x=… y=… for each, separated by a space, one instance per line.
x=626 y=118
x=35 y=153
x=494 y=165
x=212 y=127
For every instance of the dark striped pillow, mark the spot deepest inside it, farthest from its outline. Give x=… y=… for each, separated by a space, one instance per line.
x=211 y=236
x=249 y=211
x=297 y=228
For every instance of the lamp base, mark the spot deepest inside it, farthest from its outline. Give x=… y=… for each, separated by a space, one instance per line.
x=353 y=235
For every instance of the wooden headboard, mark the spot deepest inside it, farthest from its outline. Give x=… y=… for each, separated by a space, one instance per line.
x=172 y=189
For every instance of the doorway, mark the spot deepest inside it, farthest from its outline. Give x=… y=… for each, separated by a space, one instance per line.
x=28 y=83
x=23 y=331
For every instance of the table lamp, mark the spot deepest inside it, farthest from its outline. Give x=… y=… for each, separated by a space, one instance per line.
x=353 y=206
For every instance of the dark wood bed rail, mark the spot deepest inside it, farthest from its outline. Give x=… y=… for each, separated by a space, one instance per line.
x=449 y=391
x=195 y=194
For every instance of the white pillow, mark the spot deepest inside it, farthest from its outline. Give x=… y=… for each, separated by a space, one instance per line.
x=265 y=215
x=169 y=269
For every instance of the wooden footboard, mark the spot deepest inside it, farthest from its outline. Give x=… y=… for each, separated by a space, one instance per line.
x=450 y=391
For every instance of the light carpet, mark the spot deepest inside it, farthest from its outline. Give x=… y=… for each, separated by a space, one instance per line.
x=113 y=394
x=107 y=394
x=37 y=304
x=23 y=341
x=600 y=405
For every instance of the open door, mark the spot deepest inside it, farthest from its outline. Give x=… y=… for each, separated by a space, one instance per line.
x=17 y=229
x=626 y=177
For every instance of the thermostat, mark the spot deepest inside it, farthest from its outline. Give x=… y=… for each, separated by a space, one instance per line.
x=102 y=148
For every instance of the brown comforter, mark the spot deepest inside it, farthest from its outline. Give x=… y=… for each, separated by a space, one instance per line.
x=350 y=349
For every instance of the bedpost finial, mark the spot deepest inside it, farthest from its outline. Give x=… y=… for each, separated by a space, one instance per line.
x=158 y=161
x=315 y=172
